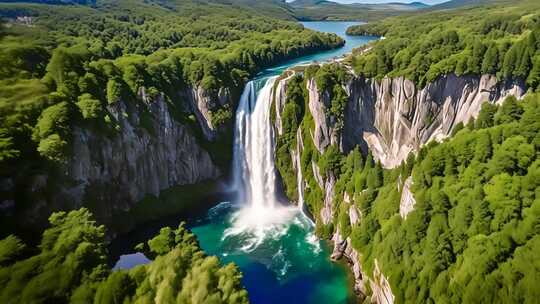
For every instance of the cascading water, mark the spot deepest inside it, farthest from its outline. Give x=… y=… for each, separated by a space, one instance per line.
x=260 y=216
x=274 y=245
x=254 y=170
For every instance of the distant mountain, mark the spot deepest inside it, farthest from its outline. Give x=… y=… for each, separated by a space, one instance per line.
x=329 y=10
x=313 y=3
x=303 y=3
x=82 y=2
x=381 y=6
x=417 y=5
x=393 y=6
x=459 y=3
x=303 y=10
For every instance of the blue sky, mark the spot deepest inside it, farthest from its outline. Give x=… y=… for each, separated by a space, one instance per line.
x=386 y=1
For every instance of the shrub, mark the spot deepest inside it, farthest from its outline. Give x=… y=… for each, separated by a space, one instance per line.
x=54 y=119
x=221 y=116
x=114 y=91
x=53 y=148
x=90 y=108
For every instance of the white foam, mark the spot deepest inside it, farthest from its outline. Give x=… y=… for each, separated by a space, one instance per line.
x=254 y=225
x=314 y=242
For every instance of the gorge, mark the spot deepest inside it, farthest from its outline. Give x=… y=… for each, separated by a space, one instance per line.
x=147 y=157
x=271 y=240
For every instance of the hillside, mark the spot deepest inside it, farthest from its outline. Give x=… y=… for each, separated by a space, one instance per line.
x=416 y=157
x=113 y=115
x=421 y=165
x=297 y=10
x=452 y=4
x=490 y=39
x=328 y=10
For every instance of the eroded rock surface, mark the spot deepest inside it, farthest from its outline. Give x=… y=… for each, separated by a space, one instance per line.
x=110 y=171
x=407 y=201
x=393 y=117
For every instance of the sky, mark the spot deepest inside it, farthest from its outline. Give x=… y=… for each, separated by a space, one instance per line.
x=386 y=1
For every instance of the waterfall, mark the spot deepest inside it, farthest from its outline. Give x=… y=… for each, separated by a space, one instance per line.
x=260 y=215
x=253 y=164
x=298 y=164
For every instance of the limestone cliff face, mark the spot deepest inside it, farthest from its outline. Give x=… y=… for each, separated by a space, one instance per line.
x=391 y=118
x=407 y=201
x=279 y=96
x=201 y=104
x=149 y=152
x=325 y=133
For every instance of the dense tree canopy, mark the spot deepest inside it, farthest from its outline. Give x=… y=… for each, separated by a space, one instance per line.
x=501 y=39
x=70 y=266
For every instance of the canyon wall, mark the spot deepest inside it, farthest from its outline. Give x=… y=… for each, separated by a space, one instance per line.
x=110 y=171
x=391 y=118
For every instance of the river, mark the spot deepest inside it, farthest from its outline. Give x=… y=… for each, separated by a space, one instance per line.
x=273 y=244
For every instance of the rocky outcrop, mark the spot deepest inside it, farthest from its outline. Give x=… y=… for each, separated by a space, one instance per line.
x=202 y=103
x=279 y=96
x=325 y=133
x=393 y=117
x=112 y=170
x=381 y=292
x=407 y=201
x=354 y=214
x=327 y=211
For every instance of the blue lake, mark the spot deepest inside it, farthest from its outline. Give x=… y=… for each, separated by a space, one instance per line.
x=337 y=27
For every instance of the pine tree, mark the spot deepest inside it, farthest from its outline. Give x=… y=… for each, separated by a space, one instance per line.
x=509 y=111
x=533 y=80
x=483 y=147
x=524 y=66
x=491 y=59
x=486 y=115
x=509 y=63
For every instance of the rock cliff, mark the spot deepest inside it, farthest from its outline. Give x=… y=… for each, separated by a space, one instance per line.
x=407 y=201
x=201 y=104
x=111 y=171
x=390 y=118
x=393 y=117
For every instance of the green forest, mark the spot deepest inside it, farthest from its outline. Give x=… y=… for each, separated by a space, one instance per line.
x=502 y=39
x=475 y=231
x=70 y=266
x=474 y=234
x=63 y=67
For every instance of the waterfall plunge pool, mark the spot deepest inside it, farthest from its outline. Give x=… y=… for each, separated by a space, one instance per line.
x=275 y=246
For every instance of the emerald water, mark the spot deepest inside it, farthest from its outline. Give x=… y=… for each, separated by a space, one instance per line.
x=271 y=241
